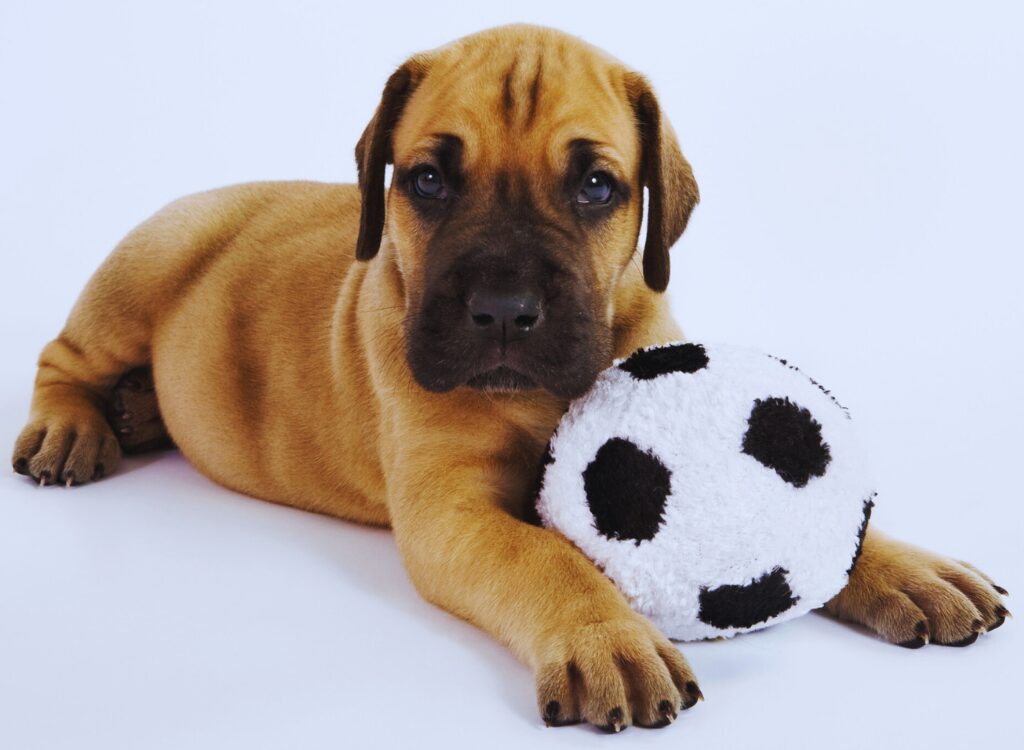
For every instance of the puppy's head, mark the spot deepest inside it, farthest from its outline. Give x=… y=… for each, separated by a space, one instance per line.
x=520 y=159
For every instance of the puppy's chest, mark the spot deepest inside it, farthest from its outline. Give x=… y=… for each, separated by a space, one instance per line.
x=519 y=465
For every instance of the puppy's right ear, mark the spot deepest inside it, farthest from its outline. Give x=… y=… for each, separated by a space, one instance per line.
x=373 y=154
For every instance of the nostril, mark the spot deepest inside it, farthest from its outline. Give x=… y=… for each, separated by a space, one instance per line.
x=525 y=322
x=503 y=313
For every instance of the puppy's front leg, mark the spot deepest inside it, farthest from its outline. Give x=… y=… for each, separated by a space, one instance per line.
x=911 y=596
x=594 y=659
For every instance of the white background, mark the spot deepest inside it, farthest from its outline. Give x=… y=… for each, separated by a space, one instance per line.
x=861 y=168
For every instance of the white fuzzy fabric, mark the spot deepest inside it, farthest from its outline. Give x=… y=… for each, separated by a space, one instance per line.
x=728 y=519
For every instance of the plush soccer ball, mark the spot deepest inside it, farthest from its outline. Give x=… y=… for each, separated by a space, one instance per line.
x=721 y=489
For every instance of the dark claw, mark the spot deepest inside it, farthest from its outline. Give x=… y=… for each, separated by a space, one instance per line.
x=997 y=623
x=693 y=695
x=21 y=465
x=921 y=628
x=614 y=721
x=659 y=724
x=965 y=642
x=913 y=642
x=551 y=712
x=1001 y=590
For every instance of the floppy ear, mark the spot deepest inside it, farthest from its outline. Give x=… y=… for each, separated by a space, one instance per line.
x=373 y=154
x=668 y=178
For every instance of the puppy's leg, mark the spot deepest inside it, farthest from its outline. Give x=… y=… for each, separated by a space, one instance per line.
x=594 y=659
x=134 y=413
x=911 y=596
x=111 y=327
x=67 y=439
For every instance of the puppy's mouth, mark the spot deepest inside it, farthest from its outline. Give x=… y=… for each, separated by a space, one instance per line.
x=564 y=359
x=503 y=366
x=501 y=378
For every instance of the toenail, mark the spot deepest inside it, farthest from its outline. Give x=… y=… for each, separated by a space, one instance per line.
x=551 y=710
x=615 y=723
x=694 y=695
x=965 y=642
x=914 y=642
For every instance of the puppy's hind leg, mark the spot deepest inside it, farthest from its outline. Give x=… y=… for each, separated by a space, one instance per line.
x=134 y=413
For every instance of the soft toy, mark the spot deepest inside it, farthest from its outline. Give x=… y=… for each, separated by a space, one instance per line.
x=721 y=489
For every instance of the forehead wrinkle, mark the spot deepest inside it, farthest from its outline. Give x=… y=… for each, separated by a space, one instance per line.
x=485 y=71
x=559 y=142
x=431 y=143
x=609 y=159
x=420 y=127
x=463 y=95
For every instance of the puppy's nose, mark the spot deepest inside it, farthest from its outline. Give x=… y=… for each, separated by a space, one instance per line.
x=505 y=315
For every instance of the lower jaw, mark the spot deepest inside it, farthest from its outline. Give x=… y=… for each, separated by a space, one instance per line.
x=502 y=380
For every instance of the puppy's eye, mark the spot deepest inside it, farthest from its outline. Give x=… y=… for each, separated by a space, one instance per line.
x=427 y=183
x=597 y=188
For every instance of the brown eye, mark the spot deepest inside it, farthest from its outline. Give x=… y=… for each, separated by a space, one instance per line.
x=597 y=188
x=427 y=183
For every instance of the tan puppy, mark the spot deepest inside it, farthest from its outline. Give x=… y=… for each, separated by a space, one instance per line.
x=418 y=388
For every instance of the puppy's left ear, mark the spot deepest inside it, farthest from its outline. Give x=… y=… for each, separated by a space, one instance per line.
x=373 y=153
x=668 y=177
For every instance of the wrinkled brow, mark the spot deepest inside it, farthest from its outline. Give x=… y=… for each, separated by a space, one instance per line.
x=443 y=148
x=585 y=155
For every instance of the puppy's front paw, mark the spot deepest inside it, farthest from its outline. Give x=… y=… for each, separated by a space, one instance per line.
x=912 y=597
x=612 y=674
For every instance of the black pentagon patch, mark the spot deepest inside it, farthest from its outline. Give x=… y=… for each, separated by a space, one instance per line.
x=868 y=505
x=647 y=364
x=785 y=437
x=745 y=606
x=626 y=490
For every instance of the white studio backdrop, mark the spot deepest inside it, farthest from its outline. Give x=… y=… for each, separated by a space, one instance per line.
x=860 y=165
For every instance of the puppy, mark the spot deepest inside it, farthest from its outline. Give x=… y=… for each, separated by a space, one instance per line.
x=399 y=356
